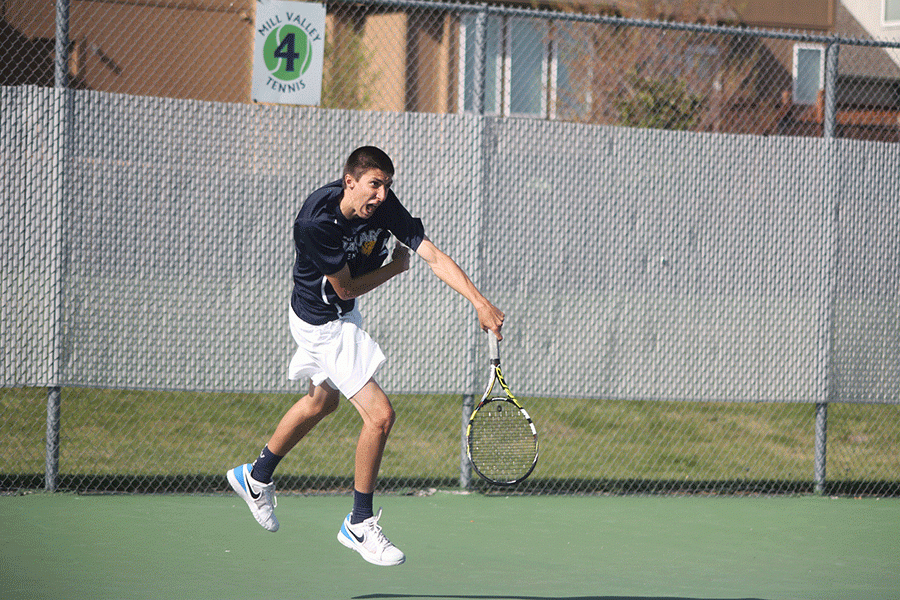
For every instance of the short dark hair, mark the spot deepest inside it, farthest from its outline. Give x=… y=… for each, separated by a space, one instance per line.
x=365 y=159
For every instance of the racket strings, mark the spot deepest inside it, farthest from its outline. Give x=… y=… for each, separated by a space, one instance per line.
x=502 y=441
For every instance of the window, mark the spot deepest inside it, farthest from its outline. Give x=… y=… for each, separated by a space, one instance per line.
x=809 y=73
x=527 y=73
x=891 y=12
x=517 y=70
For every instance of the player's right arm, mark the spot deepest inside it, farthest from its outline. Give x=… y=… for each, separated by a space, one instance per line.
x=348 y=287
x=446 y=269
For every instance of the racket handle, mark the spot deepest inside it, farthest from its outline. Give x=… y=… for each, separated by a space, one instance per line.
x=493 y=348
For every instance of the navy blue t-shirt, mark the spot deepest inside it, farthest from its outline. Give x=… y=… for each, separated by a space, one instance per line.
x=325 y=241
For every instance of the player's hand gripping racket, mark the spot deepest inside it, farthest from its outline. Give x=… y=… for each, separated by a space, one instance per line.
x=501 y=440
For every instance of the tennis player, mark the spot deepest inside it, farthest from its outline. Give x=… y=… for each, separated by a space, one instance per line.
x=340 y=237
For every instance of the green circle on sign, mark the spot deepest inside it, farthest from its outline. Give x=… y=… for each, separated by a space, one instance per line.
x=288 y=52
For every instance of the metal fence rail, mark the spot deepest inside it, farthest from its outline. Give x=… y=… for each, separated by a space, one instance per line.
x=688 y=310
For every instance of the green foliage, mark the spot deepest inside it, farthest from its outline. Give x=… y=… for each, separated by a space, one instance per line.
x=347 y=80
x=658 y=104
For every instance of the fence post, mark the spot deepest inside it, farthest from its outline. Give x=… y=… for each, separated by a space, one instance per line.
x=831 y=73
x=63 y=107
x=51 y=468
x=480 y=83
x=480 y=74
x=465 y=469
x=61 y=66
x=829 y=271
x=820 y=464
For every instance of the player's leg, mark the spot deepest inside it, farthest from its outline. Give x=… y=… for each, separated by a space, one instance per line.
x=302 y=417
x=360 y=530
x=378 y=418
x=253 y=482
x=319 y=402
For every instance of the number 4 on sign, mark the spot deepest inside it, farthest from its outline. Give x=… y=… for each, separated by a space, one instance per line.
x=287 y=51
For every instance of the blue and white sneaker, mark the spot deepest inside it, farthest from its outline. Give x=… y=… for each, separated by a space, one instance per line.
x=260 y=497
x=367 y=539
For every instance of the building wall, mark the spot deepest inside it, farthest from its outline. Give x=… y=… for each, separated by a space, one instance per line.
x=790 y=14
x=870 y=14
x=138 y=49
x=386 y=38
x=430 y=79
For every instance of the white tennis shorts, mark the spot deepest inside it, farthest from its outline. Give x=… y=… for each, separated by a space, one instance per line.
x=338 y=352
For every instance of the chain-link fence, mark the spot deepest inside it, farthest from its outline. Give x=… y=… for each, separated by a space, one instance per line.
x=687 y=311
x=422 y=56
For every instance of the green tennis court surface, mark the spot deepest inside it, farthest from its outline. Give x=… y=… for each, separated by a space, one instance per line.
x=457 y=546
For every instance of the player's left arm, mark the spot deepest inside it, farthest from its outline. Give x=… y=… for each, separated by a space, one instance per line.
x=446 y=269
x=347 y=287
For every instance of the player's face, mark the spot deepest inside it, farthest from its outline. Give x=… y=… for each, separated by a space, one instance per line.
x=364 y=195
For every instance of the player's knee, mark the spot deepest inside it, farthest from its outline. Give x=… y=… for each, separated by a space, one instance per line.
x=384 y=420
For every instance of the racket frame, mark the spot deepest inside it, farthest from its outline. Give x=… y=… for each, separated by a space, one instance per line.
x=486 y=398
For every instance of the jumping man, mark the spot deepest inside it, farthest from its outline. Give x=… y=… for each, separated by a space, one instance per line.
x=340 y=238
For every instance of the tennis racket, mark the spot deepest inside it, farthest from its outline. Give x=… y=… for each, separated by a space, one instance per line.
x=501 y=439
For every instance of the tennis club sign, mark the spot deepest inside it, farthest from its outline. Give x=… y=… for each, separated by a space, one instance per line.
x=289 y=44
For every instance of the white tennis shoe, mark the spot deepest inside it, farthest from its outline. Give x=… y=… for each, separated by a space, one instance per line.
x=260 y=497
x=368 y=539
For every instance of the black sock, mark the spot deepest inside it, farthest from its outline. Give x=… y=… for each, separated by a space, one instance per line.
x=362 y=507
x=264 y=466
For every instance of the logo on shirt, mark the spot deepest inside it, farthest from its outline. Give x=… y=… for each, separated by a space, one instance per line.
x=365 y=243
